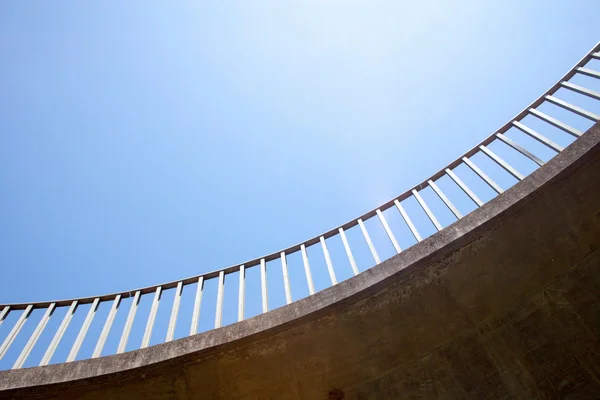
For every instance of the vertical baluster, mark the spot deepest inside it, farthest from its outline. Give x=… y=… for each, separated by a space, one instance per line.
x=151 y=318
x=556 y=123
x=389 y=232
x=197 y=305
x=286 y=280
x=309 y=280
x=483 y=176
x=328 y=261
x=241 y=293
x=107 y=325
x=369 y=242
x=348 y=251
x=464 y=187
x=263 y=285
x=582 y=90
x=537 y=136
x=129 y=322
x=574 y=109
x=83 y=331
x=445 y=199
x=219 y=308
x=174 y=312
x=520 y=149
x=408 y=221
x=59 y=334
x=4 y=313
x=15 y=331
x=502 y=163
x=425 y=208
x=34 y=337
x=589 y=72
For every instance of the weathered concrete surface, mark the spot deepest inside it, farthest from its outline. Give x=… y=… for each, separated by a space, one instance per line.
x=504 y=304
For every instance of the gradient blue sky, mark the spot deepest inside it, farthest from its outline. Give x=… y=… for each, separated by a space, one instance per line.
x=148 y=141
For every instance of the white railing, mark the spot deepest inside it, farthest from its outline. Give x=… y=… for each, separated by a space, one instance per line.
x=178 y=287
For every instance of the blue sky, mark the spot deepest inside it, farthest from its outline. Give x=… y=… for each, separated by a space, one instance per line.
x=143 y=142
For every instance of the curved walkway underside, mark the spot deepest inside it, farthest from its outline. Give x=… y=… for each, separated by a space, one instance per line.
x=504 y=303
x=23 y=343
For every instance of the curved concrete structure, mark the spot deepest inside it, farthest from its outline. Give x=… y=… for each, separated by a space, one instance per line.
x=16 y=349
x=504 y=303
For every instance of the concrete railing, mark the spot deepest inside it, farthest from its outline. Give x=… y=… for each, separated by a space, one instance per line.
x=24 y=310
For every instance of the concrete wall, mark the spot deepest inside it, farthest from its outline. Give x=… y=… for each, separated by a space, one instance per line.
x=504 y=304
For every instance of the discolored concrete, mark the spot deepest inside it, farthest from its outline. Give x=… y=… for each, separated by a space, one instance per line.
x=504 y=304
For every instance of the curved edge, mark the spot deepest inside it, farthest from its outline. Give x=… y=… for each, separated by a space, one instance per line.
x=326 y=301
x=332 y=232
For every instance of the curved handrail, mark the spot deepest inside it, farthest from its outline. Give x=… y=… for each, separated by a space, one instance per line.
x=333 y=231
x=282 y=254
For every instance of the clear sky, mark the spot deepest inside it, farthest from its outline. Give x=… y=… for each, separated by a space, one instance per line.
x=147 y=141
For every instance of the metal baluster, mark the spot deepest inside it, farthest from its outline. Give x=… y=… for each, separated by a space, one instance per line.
x=540 y=138
x=59 y=334
x=445 y=199
x=197 y=305
x=570 y=107
x=34 y=337
x=425 y=208
x=464 y=187
x=309 y=280
x=369 y=242
x=107 y=325
x=483 y=176
x=389 y=232
x=83 y=331
x=502 y=163
x=4 y=313
x=581 y=90
x=520 y=149
x=151 y=318
x=15 y=331
x=286 y=280
x=219 y=308
x=129 y=322
x=589 y=72
x=408 y=221
x=328 y=261
x=263 y=285
x=174 y=312
x=348 y=251
x=241 y=307
x=554 y=122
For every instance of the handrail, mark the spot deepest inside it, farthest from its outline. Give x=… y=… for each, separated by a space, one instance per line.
x=117 y=297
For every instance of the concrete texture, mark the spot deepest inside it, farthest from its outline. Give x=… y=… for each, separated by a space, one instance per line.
x=503 y=304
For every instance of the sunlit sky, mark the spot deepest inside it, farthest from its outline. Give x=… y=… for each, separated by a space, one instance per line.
x=148 y=141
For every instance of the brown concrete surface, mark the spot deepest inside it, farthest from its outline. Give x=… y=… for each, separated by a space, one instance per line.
x=504 y=304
